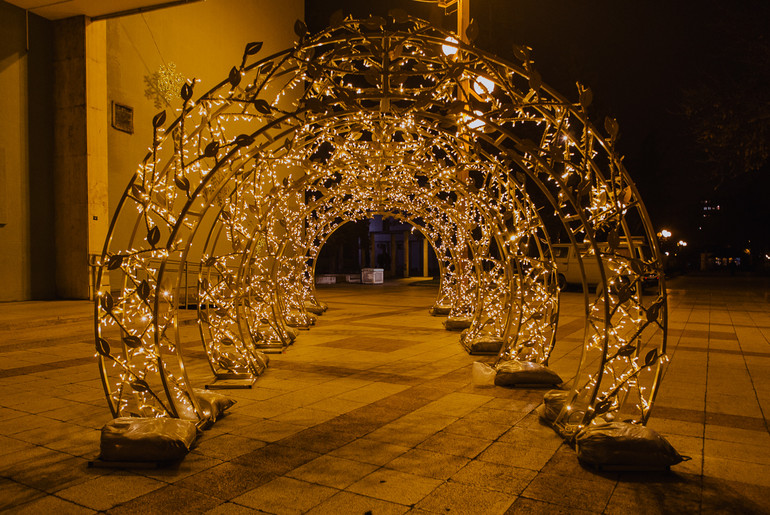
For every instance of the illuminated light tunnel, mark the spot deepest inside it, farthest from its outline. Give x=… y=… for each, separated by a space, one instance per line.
x=378 y=116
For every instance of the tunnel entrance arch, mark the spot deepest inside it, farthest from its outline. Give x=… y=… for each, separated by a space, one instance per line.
x=377 y=115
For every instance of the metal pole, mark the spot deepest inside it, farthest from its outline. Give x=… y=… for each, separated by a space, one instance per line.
x=463 y=18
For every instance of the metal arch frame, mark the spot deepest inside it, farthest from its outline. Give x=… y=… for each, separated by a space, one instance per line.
x=349 y=71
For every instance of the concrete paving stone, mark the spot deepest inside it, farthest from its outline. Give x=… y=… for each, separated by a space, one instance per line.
x=285 y=495
x=492 y=476
x=654 y=493
x=366 y=450
x=737 y=451
x=191 y=465
x=467 y=427
x=536 y=507
x=564 y=462
x=736 y=470
x=395 y=486
x=226 y=446
x=722 y=496
x=318 y=439
x=229 y=508
x=307 y=417
x=336 y=405
x=464 y=498
x=502 y=453
x=332 y=471
x=169 y=499
x=227 y=480
x=732 y=434
x=268 y=430
x=15 y=494
x=542 y=437
x=347 y=502
x=52 y=472
x=428 y=463
x=49 y=504
x=458 y=445
x=575 y=493
x=275 y=458
x=105 y=492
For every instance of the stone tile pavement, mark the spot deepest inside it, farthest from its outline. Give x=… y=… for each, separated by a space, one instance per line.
x=372 y=411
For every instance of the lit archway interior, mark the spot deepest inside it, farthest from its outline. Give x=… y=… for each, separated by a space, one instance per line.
x=378 y=116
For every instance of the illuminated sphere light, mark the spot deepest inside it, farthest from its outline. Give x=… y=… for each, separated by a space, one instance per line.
x=368 y=117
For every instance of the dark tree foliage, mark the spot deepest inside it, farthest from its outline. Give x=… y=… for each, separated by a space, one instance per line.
x=729 y=109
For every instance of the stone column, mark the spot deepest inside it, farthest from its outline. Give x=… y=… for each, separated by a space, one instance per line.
x=80 y=155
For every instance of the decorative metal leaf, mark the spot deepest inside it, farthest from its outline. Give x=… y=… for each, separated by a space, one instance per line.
x=131 y=341
x=586 y=98
x=187 y=91
x=234 y=78
x=159 y=119
x=472 y=32
x=137 y=190
x=102 y=347
x=140 y=385
x=535 y=80
x=114 y=262
x=611 y=126
x=300 y=29
x=227 y=341
x=153 y=236
x=143 y=290
x=182 y=183
x=211 y=149
x=244 y=140
x=107 y=302
x=627 y=350
x=253 y=47
x=650 y=358
x=521 y=52
x=653 y=312
x=262 y=106
x=603 y=407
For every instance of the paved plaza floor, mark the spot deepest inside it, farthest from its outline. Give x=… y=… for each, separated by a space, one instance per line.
x=373 y=411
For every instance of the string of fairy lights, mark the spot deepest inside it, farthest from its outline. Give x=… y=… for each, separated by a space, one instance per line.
x=384 y=116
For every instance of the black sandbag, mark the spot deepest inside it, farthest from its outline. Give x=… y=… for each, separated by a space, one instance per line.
x=457 y=323
x=626 y=446
x=513 y=372
x=213 y=404
x=146 y=439
x=439 y=310
x=489 y=345
x=553 y=402
x=314 y=309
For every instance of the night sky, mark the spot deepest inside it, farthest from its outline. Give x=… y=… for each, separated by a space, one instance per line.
x=641 y=59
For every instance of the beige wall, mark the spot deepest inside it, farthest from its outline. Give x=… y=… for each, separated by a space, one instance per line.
x=26 y=145
x=204 y=40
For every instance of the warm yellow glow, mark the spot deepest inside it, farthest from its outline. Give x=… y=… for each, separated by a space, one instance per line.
x=483 y=85
x=450 y=47
x=254 y=178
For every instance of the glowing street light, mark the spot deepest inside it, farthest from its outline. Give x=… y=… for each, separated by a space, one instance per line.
x=450 y=47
